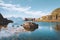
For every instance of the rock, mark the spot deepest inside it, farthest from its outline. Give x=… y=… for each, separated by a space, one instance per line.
x=30 y=26
x=4 y=21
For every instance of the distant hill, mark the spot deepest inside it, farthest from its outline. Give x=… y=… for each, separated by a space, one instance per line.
x=56 y=11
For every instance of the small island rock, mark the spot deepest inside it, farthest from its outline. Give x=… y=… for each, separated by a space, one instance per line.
x=30 y=26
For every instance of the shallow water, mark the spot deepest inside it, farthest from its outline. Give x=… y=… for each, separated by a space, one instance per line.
x=45 y=31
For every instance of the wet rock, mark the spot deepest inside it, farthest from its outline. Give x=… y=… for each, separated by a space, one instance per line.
x=30 y=26
x=4 y=21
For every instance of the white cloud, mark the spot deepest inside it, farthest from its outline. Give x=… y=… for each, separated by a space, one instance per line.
x=14 y=7
x=26 y=10
x=36 y=13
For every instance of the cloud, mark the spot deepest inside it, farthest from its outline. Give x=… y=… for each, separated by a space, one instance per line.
x=14 y=7
x=36 y=13
x=26 y=10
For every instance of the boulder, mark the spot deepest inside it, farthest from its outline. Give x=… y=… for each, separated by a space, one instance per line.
x=30 y=26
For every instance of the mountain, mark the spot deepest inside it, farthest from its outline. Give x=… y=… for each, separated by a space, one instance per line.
x=16 y=21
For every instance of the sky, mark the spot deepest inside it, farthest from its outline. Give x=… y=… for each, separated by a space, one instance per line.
x=28 y=8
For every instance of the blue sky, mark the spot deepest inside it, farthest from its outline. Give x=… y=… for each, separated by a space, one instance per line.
x=28 y=8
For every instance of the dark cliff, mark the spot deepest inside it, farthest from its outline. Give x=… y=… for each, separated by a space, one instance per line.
x=4 y=21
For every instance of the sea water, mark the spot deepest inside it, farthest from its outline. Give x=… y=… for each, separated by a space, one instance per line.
x=45 y=31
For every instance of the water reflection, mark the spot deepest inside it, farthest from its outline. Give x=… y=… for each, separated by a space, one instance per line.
x=57 y=27
x=45 y=31
x=51 y=28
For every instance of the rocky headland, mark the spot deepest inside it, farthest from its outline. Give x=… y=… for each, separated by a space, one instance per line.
x=4 y=21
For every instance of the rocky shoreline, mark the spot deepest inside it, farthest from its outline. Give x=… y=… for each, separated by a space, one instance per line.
x=4 y=21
